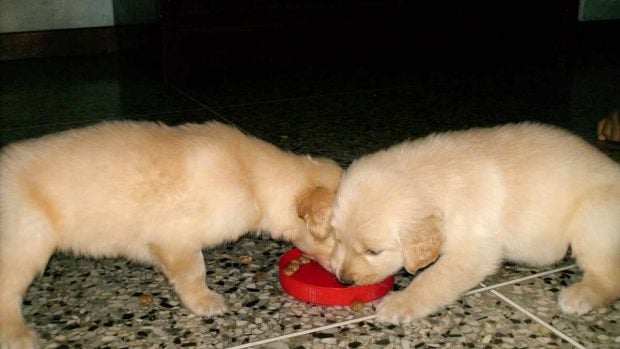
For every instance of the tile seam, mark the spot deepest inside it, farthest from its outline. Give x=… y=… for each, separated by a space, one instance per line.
x=302 y=333
x=540 y=321
x=514 y=281
x=205 y=107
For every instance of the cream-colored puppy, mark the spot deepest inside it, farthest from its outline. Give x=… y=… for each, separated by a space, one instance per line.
x=522 y=192
x=154 y=194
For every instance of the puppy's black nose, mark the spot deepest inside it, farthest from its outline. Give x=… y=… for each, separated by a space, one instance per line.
x=346 y=282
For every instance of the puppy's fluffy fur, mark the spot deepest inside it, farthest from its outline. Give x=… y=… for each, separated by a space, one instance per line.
x=154 y=194
x=522 y=192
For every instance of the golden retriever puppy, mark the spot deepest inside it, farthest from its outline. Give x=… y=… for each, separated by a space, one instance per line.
x=467 y=200
x=154 y=194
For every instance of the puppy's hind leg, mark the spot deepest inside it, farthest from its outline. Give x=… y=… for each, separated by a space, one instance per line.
x=595 y=242
x=185 y=269
x=25 y=247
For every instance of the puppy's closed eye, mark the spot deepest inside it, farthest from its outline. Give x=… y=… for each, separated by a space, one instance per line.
x=372 y=253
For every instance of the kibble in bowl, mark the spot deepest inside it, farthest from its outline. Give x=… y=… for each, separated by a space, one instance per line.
x=308 y=281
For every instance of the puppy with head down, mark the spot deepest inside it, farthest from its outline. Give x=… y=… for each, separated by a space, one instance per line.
x=468 y=200
x=154 y=194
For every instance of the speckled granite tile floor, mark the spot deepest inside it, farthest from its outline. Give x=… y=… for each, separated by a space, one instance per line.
x=339 y=113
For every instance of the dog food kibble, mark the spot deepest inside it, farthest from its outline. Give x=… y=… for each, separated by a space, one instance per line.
x=304 y=260
x=245 y=259
x=289 y=270
x=292 y=267
x=145 y=299
x=357 y=306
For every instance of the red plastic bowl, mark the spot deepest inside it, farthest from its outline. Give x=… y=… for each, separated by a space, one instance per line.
x=313 y=284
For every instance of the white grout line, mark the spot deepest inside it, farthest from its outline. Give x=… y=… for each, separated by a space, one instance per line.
x=478 y=290
x=301 y=333
x=539 y=320
x=206 y=107
x=533 y=276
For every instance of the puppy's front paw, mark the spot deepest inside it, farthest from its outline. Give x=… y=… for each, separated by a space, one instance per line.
x=579 y=299
x=402 y=307
x=18 y=337
x=207 y=303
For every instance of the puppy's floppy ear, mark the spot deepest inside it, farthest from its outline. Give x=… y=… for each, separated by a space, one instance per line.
x=421 y=244
x=314 y=207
